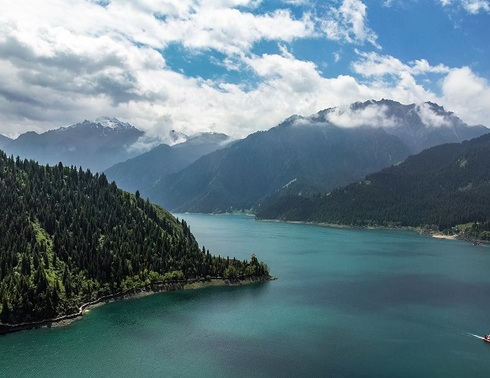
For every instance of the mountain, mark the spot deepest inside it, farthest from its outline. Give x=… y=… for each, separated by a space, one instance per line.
x=69 y=237
x=418 y=126
x=95 y=145
x=200 y=144
x=175 y=137
x=288 y=157
x=308 y=155
x=439 y=188
x=144 y=171
x=4 y=141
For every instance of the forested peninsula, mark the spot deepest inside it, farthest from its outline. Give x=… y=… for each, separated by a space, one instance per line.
x=69 y=237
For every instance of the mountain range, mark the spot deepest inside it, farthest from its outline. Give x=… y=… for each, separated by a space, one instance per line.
x=144 y=171
x=439 y=188
x=209 y=172
x=96 y=145
x=308 y=155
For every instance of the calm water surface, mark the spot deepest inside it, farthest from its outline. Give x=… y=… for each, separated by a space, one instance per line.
x=347 y=303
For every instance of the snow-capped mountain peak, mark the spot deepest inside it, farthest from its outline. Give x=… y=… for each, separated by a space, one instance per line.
x=112 y=123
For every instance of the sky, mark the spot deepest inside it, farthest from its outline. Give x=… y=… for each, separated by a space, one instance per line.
x=235 y=66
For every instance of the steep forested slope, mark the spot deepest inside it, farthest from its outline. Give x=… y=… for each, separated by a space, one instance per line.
x=68 y=236
x=290 y=158
x=152 y=168
x=309 y=155
x=142 y=171
x=441 y=187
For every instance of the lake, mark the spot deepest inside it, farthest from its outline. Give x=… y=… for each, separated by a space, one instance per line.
x=347 y=303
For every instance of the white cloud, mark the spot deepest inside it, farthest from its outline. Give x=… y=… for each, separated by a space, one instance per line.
x=70 y=60
x=462 y=91
x=233 y=32
x=291 y=74
x=475 y=6
x=297 y=2
x=429 y=117
x=470 y=6
x=373 y=64
x=371 y=115
x=348 y=23
x=468 y=95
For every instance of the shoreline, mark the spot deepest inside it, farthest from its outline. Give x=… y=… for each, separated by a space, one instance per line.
x=447 y=237
x=139 y=292
x=418 y=230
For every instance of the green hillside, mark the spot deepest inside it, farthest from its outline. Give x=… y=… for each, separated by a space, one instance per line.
x=309 y=155
x=290 y=158
x=68 y=236
x=440 y=188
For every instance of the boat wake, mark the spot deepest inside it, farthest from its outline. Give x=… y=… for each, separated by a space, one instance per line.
x=437 y=325
x=478 y=337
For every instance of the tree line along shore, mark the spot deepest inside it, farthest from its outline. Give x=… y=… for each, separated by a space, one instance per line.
x=70 y=237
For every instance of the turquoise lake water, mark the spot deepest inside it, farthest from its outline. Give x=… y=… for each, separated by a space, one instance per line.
x=347 y=303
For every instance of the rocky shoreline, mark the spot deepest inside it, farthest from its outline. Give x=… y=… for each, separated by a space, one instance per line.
x=65 y=320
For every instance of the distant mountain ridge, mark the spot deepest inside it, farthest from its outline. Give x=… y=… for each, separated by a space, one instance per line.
x=91 y=144
x=308 y=155
x=285 y=158
x=208 y=172
x=4 y=141
x=418 y=126
x=146 y=170
x=113 y=123
x=439 y=188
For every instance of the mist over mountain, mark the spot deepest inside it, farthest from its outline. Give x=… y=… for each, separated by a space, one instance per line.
x=308 y=155
x=439 y=188
x=200 y=144
x=144 y=171
x=96 y=145
x=282 y=159
x=418 y=126
x=206 y=172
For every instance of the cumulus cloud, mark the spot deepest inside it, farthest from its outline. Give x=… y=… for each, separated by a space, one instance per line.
x=468 y=95
x=371 y=115
x=232 y=31
x=348 y=23
x=66 y=61
x=470 y=6
x=374 y=64
x=461 y=90
x=70 y=60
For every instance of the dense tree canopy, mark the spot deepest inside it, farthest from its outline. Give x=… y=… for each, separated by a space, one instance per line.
x=440 y=188
x=68 y=236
